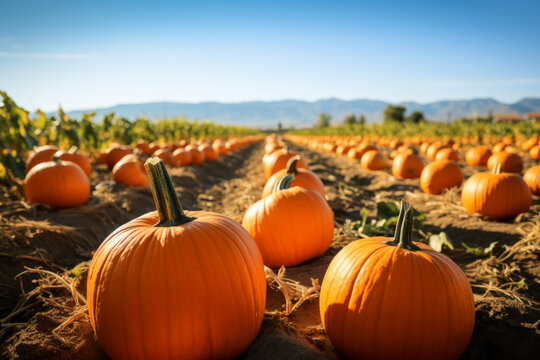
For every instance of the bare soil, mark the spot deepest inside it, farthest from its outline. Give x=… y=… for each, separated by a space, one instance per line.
x=505 y=284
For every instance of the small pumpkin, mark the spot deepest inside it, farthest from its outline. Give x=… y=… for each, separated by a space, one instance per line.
x=181 y=157
x=407 y=166
x=301 y=177
x=496 y=195
x=130 y=171
x=175 y=284
x=165 y=155
x=116 y=153
x=278 y=161
x=40 y=154
x=197 y=157
x=291 y=225
x=374 y=160
x=478 y=155
x=440 y=175
x=60 y=184
x=534 y=152
x=532 y=179
x=74 y=156
x=378 y=297
x=447 y=154
x=510 y=162
x=209 y=152
x=357 y=152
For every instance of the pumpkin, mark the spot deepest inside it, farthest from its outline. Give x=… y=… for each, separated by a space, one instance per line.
x=433 y=149
x=219 y=148
x=130 y=171
x=373 y=160
x=392 y=298
x=357 y=152
x=499 y=147
x=496 y=195
x=165 y=155
x=509 y=162
x=447 y=154
x=116 y=153
x=301 y=177
x=291 y=225
x=277 y=160
x=440 y=175
x=534 y=152
x=175 y=284
x=407 y=166
x=343 y=150
x=60 y=184
x=478 y=155
x=197 y=157
x=532 y=179
x=209 y=152
x=530 y=143
x=77 y=158
x=181 y=157
x=271 y=147
x=40 y=154
x=144 y=147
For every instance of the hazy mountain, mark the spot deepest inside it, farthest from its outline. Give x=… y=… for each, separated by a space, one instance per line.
x=303 y=113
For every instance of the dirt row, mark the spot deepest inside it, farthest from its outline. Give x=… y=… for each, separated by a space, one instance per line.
x=505 y=326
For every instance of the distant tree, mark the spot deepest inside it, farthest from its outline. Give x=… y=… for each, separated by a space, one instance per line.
x=323 y=120
x=362 y=120
x=350 y=120
x=394 y=114
x=415 y=117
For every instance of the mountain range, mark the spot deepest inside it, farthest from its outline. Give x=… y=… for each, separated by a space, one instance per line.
x=298 y=113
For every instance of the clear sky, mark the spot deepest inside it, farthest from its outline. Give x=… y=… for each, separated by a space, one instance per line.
x=85 y=54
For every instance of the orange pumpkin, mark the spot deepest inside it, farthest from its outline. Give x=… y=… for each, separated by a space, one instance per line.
x=534 y=152
x=509 y=162
x=291 y=225
x=374 y=160
x=165 y=155
x=77 y=158
x=500 y=147
x=144 y=147
x=278 y=161
x=181 y=157
x=433 y=149
x=209 y=152
x=496 y=195
x=357 y=152
x=130 y=171
x=478 y=156
x=440 y=175
x=116 y=153
x=376 y=297
x=40 y=154
x=532 y=179
x=447 y=154
x=143 y=302
x=407 y=166
x=197 y=157
x=60 y=184
x=530 y=143
x=301 y=177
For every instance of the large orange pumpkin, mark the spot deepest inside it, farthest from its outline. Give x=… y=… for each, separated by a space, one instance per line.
x=130 y=171
x=407 y=166
x=392 y=298
x=478 y=156
x=496 y=195
x=74 y=156
x=532 y=179
x=301 y=177
x=40 y=154
x=60 y=184
x=176 y=284
x=373 y=160
x=440 y=175
x=291 y=225
x=509 y=162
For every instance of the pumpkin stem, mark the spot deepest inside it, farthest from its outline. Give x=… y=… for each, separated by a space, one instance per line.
x=497 y=169
x=283 y=183
x=403 y=234
x=167 y=203
x=73 y=149
x=291 y=165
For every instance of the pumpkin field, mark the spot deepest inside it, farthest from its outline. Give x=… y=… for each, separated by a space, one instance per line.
x=192 y=240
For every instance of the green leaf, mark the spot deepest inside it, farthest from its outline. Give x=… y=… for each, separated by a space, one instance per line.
x=437 y=241
x=479 y=251
x=387 y=209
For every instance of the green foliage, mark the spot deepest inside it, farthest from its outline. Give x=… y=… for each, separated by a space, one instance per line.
x=362 y=120
x=438 y=241
x=394 y=114
x=350 y=120
x=324 y=119
x=479 y=251
x=415 y=117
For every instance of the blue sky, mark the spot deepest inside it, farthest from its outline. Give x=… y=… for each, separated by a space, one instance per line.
x=84 y=54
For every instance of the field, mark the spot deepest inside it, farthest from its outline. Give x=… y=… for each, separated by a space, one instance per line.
x=43 y=310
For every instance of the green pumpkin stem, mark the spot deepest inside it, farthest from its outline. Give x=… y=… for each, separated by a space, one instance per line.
x=291 y=165
x=283 y=183
x=497 y=169
x=167 y=203
x=403 y=235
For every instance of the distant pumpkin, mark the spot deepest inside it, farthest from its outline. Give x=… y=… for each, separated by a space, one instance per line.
x=407 y=166
x=532 y=179
x=130 y=171
x=509 y=162
x=40 y=154
x=74 y=156
x=440 y=175
x=478 y=156
x=374 y=160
